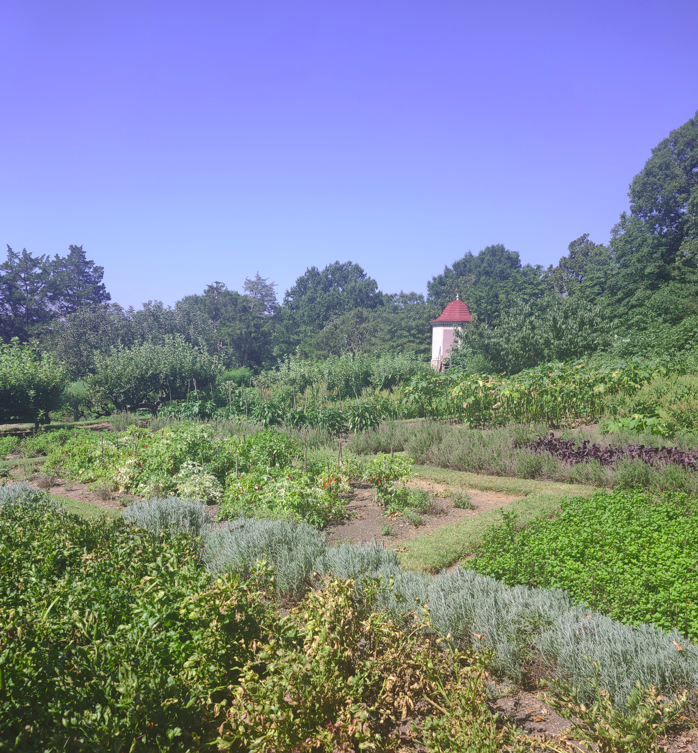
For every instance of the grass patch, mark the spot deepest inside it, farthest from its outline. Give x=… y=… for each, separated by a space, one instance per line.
x=449 y=544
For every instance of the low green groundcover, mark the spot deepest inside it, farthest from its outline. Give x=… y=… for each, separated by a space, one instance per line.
x=628 y=554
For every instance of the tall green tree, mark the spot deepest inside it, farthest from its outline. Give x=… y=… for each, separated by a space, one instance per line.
x=37 y=290
x=488 y=282
x=319 y=295
x=656 y=241
x=584 y=272
x=241 y=323
x=25 y=295
x=76 y=283
x=554 y=329
x=400 y=325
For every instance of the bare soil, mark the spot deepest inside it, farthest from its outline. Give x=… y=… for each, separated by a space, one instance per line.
x=67 y=489
x=368 y=520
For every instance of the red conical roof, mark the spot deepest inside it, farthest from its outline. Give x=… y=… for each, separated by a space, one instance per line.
x=456 y=311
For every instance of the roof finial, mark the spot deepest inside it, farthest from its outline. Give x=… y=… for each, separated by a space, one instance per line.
x=457 y=297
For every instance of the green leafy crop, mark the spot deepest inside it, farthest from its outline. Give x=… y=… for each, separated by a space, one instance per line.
x=627 y=554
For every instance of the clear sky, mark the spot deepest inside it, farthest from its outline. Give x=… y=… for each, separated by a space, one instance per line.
x=186 y=142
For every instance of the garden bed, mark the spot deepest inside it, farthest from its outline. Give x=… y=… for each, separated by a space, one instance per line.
x=368 y=520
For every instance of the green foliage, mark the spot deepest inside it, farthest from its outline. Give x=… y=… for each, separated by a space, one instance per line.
x=338 y=677
x=241 y=323
x=463 y=724
x=363 y=417
x=317 y=296
x=488 y=282
x=523 y=627
x=461 y=500
x=601 y=726
x=553 y=394
x=30 y=386
x=383 y=472
x=664 y=406
x=151 y=371
x=656 y=241
x=627 y=554
x=108 y=633
x=287 y=494
x=400 y=325
x=35 y=290
x=239 y=376
x=528 y=334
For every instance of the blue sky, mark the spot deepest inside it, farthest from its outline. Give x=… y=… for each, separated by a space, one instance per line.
x=182 y=143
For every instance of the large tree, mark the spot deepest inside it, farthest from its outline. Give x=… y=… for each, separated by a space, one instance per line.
x=488 y=282
x=37 y=290
x=76 y=283
x=241 y=322
x=656 y=241
x=319 y=295
x=400 y=325
x=25 y=292
x=584 y=272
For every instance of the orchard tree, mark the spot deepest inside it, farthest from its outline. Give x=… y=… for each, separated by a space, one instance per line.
x=150 y=373
x=30 y=386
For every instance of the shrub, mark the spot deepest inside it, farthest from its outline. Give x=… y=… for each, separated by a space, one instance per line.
x=461 y=500
x=239 y=376
x=112 y=633
x=30 y=386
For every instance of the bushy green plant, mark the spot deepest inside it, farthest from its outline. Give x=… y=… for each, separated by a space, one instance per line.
x=31 y=386
x=239 y=376
x=363 y=417
x=628 y=554
x=111 y=633
x=289 y=494
x=8 y=445
x=382 y=472
x=664 y=406
x=338 y=677
x=602 y=726
x=461 y=500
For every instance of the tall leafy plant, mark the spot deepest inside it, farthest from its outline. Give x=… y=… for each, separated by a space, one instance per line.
x=30 y=386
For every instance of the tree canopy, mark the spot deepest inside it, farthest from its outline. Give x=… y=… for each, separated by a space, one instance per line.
x=36 y=290
x=487 y=282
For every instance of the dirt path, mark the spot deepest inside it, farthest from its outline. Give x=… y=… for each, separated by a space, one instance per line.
x=368 y=520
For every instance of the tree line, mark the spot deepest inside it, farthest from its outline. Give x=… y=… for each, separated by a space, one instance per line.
x=646 y=276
